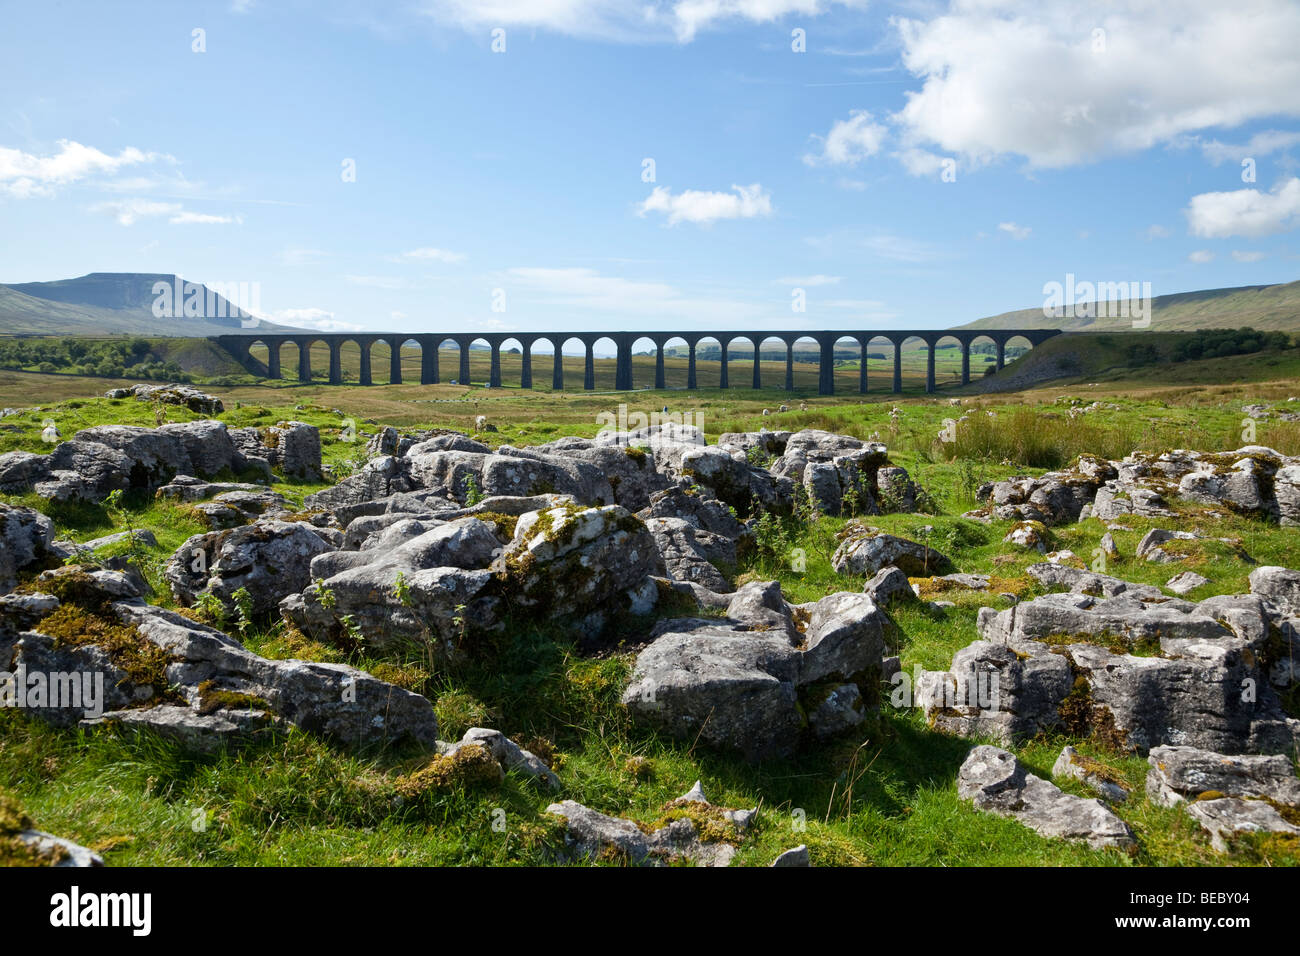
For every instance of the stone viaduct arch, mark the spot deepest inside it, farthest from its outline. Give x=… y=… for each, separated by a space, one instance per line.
x=240 y=346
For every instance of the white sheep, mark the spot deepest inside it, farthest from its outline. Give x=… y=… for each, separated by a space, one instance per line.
x=480 y=423
x=766 y=413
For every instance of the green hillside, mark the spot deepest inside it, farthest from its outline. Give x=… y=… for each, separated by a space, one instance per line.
x=1258 y=306
x=106 y=303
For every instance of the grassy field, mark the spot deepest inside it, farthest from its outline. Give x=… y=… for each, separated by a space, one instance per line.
x=884 y=798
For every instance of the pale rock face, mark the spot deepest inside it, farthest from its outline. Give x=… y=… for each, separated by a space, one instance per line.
x=996 y=782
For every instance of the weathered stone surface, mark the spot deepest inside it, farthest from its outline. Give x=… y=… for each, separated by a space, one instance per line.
x=995 y=781
x=509 y=754
x=1228 y=817
x=107 y=458
x=592 y=835
x=409 y=592
x=745 y=683
x=26 y=541
x=840 y=710
x=171 y=394
x=578 y=560
x=229 y=509
x=212 y=675
x=1189 y=773
x=1138 y=673
x=1186 y=583
x=1280 y=587
x=796 y=857
x=733 y=689
x=63 y=853
x=691 y=554
x=270 y=558
x=864 y=551
x=1074 y=765
x=889 y=585
x=1030 y=535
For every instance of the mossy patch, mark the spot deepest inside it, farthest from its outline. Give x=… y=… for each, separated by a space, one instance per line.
x=1082 y=717
x=468 y=767
x=143 y=663
x=213 y=698
x=711 y=823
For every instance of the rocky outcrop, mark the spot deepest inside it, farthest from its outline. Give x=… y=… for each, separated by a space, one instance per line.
x=171 y=394
x=271 y=559
x=755 y=682
x=864 y=551
x=996 y=782
x=26 y=542
x=694 y=831
x=97 y=461
x=1253 y=480
x=1136 y=670
x=192 y=683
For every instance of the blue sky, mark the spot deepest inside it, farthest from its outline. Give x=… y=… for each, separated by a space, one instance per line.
x=517 y=178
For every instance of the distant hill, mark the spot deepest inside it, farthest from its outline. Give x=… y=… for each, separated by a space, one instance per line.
x=111 y=303
x=1267 y=307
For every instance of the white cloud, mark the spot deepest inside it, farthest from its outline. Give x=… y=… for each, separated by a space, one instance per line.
x=1261 y=144
x=1244 y=255
x=693 y=205
x=1157 y=231
x=128 y=212
x=920 y=162
x=1245 y=212
x=998 y=81
x=185 y=217
x=809 y=281
x=1201 y=256
x=321 y=319
x=438 y=255
x=620 y=19
x=849 y=142
x=24 y=175
x=1014 y=231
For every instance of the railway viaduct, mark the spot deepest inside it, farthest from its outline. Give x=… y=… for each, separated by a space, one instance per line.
x=430 y=343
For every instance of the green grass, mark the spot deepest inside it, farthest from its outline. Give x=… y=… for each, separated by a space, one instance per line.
x=887 y=797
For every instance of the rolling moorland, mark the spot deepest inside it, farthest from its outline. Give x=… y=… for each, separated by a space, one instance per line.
x=882 y=793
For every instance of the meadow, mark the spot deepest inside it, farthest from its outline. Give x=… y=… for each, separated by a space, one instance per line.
x=887 y=797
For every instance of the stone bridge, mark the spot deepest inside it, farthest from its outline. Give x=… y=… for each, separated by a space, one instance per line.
x=430 y=343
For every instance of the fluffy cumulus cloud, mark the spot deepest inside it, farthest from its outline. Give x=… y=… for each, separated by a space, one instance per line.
x=1248 y=213
x=849 y=141
x=621 y=19
x=24 y=175
x=1014 y=230
x=1060 y=83
x=1201 y=256
x=705 y=208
